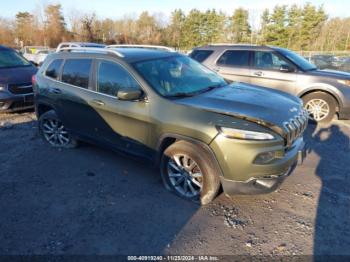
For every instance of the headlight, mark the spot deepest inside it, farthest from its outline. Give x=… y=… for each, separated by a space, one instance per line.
x=344 y=82
x=2 y=88
x=245 y=134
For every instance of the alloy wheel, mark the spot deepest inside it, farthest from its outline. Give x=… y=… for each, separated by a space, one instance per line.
x=318 y=109
x=185 y=175
x=55 y=133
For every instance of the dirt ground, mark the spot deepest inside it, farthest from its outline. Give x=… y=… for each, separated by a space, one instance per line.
x=92 y=201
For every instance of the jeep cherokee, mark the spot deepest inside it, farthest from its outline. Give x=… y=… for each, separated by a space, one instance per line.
x=202 y=131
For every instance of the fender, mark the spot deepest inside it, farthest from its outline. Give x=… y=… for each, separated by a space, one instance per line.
x=160 y=148
x=327 y=88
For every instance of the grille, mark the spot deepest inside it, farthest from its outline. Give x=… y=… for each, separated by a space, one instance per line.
x=295 y=127
x=21 y=89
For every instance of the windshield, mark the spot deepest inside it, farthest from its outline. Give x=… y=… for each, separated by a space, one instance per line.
x=12 y=59
x=178 y=76
x=299 y=60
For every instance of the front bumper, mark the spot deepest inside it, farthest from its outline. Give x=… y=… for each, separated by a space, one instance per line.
x=12 y=103
x=255 y=186
x=241 y=176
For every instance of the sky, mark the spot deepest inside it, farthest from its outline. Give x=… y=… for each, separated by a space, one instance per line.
x=119 y=8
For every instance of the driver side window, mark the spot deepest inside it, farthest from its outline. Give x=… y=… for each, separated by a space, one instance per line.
x=268 y=61
x=111 y=77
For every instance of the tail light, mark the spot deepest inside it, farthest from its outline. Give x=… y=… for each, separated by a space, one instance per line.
x=33 y=80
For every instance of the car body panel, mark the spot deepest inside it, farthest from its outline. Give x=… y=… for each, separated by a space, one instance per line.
x=142 y=125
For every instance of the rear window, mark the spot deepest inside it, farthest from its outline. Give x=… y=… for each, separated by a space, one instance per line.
x=53 y=70
x=200 y=55
x=234 y=58
x=76 y=72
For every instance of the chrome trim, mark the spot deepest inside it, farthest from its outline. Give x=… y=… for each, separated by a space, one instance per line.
x=91 y=49
x=142 y=46
x=295 y=127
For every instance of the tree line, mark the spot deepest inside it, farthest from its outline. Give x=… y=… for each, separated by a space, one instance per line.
x=305 y=27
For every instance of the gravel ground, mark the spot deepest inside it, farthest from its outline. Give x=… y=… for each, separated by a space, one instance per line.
x=92 y=201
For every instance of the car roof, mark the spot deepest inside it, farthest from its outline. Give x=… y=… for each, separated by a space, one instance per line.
x=5 y=48
x=130 y=55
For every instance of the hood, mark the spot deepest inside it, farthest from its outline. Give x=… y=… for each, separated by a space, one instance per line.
x=16 y=75
x=329 y=73
x=249 y=102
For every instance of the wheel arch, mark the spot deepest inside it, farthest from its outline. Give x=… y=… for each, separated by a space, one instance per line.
x=168 y=139
x=42 y=108
x=323 y=90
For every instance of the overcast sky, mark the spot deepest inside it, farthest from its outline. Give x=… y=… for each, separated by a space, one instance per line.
x=119 y=8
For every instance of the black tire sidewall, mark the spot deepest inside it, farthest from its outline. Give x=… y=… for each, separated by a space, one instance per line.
x=211 y=181
x=332 y=104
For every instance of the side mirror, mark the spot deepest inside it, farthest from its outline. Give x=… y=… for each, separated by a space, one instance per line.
x=129 y=94
x=286 y=68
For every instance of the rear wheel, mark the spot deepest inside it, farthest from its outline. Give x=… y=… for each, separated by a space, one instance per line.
x=188 y=170
x=320 y=106
x=53 y=131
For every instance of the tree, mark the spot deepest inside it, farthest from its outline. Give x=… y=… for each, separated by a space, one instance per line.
x=24 y=27
x=175 y=28
x=240 y=28
x=55 y=26
x=88 y=31
x=275 y=30
x=147 y=29
x=312 y=21
x=294 y=21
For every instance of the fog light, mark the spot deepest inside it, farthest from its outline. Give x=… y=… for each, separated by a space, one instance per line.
x=2 y=104
x=265 y=158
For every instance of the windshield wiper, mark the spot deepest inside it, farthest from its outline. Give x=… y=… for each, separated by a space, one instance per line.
x=181 y=94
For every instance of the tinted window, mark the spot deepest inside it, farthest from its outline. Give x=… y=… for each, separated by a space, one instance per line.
x=200 y=55
x=268 y=61
x=12 y=59
x=111 y=77
x=53 y=69
x=76 y=72
x=234 y=58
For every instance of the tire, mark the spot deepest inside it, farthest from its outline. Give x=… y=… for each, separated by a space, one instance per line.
x=173 y=169
x=50 y=126
x=323 y=103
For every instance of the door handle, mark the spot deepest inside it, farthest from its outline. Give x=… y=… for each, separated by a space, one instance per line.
x=56 y=91
x=98 y=102
x=216 y=69
x=259 y=73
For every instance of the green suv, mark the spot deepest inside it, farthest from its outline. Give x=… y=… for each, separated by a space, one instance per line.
x=202 y=131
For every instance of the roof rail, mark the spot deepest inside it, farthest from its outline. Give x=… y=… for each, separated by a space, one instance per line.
x=169 y=49
x=232 y=44
x=91 y=50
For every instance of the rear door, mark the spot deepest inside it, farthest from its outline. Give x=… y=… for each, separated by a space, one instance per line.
x=266 y=71
x=74 y=93
x=234 y=65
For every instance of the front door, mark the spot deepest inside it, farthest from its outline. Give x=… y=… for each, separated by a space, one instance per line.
x=124 y=124
x=269 y=69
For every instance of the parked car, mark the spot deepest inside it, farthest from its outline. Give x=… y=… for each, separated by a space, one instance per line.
x=78 y=44
x=16 y=72
x=202 y=131
x=36 y=54
x=325 y=93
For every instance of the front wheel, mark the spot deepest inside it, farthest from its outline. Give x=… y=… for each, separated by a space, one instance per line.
x=320 y=106
x=188 y=170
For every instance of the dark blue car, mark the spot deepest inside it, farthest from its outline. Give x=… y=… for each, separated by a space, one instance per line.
x=16 y=92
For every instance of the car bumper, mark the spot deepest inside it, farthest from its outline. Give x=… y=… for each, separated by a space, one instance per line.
x=12 y=103
x=344 y=113
x=258 y=179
